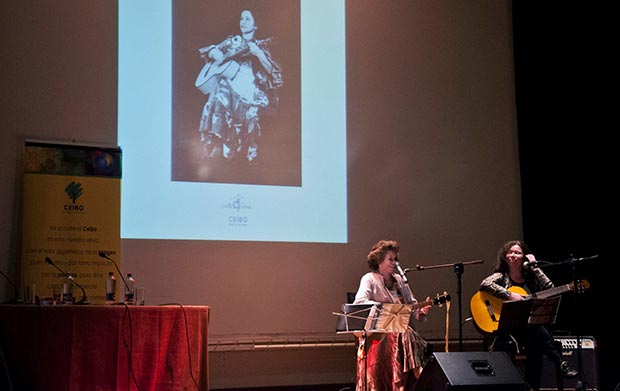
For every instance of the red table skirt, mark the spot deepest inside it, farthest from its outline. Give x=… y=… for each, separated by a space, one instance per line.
x=99 y=347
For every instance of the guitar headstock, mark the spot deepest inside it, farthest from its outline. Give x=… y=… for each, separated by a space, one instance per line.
x=582 y=285
x=441 y=299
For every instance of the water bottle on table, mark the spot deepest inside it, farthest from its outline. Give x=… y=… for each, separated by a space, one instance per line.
x=110 y=289
x=130 y=289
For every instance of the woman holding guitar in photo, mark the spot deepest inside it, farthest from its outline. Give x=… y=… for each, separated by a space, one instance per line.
x=240 y=79
x=516 y=275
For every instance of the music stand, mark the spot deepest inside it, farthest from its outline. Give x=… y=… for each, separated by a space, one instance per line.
x=373 y=318
x=356 y=318
x=544 y=311
x=393 y=318
x=363 y=320
x=519 y=314
x=359 y=320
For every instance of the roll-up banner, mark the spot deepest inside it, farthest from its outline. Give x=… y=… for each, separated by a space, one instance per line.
x=70 y=214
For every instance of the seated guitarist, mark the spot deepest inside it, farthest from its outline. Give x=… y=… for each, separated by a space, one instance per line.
x=229 y=124
x=516 y=267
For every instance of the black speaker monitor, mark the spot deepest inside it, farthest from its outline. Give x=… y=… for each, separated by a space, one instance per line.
x=469 y=371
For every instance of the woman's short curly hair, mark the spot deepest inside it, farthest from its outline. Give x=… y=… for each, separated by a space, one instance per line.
x=377 y=252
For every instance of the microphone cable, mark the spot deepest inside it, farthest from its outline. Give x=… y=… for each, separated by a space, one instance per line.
x=189 y=350
x=6 y=370
x=130 y=348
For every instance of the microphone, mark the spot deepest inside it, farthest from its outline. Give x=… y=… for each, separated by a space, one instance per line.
x=407 y=290
x=401 y=272
x=103 y=255
x=84 y=299
x=529 y=265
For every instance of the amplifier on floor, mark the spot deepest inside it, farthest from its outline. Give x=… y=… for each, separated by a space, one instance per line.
x=569 y=353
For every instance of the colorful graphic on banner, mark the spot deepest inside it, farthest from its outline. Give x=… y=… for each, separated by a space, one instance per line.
x=71 y=213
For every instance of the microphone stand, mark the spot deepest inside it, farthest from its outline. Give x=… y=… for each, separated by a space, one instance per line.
x=16 y=300
x=580 y=385
x=64 y=273
x=458 y=269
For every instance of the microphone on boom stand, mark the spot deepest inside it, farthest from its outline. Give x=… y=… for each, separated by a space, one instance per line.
x=64 y=273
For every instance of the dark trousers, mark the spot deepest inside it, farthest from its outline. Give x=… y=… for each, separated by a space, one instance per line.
x=533 y=342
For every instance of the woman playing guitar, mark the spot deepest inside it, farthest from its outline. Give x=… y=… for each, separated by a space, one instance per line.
x=515 y=269
x=239 y=78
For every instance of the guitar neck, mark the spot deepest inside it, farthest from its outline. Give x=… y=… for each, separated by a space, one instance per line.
x=244 y=48
x=552 y=291
x=421 y=304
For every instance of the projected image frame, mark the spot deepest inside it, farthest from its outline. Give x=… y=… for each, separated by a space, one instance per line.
x=304 y=201
x=196 y=157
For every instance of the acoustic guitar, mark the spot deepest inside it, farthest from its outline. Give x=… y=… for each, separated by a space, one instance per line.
x=227 y=67
x=486 y=308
